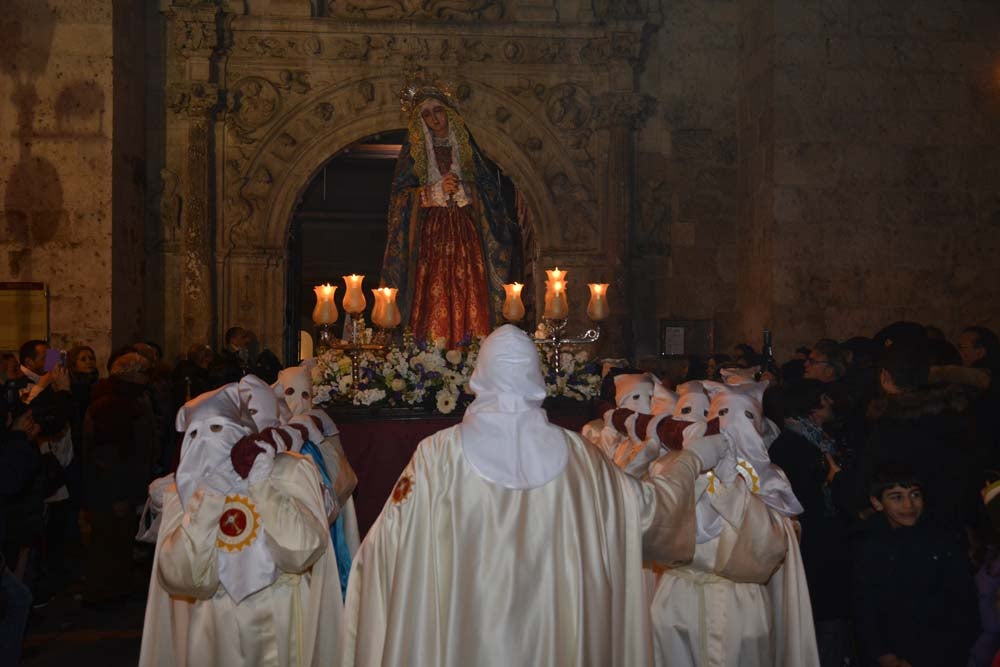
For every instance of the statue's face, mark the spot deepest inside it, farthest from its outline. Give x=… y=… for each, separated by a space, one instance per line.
x=435 y=117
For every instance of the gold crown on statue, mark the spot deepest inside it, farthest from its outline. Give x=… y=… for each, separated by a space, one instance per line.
x=420 y=86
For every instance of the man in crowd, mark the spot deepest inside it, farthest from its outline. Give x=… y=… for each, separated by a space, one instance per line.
x=825 y=362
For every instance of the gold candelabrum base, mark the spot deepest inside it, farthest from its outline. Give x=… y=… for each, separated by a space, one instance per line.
x=359 y=343
x=556 y=339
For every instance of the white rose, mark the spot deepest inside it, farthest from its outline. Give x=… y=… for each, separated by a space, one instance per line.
x=398 y=384
x=453 y=356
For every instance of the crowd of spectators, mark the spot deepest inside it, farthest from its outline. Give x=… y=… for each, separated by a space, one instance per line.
x=77 y=451
x=889 y=444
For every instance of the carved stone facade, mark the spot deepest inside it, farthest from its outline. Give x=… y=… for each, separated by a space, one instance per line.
x=258 y=103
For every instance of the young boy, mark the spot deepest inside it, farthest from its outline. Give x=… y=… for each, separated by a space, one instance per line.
x=914 y=599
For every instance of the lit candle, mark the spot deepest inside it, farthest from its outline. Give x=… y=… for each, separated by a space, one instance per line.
x=377 y=316
x=390 y=311
x=597 y=309
x=354 y=299
x=325 y=311
x=556 y=305
x=513 y=308
x=556 y=274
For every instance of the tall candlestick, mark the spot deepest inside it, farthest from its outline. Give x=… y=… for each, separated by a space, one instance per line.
x=354 y=298
x=325 y=311
x=556 y=304
x=377 y=311
x=597 y=309
x=513 y=307
x=391 y=316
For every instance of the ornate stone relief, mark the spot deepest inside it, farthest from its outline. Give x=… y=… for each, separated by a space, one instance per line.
x=171 y=206
x=448 y=10
x=376 y=48
x=568 y=108
x=253 y=102
x=617 y=109
x=195 y=99
x=578 y=229
x=618 y=9
x=294 y=86
x=195 y=36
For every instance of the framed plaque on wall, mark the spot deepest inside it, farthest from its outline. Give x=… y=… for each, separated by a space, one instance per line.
x=26 y=313
x=683 y=338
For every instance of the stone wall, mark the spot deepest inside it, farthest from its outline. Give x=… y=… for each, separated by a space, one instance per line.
x=684 y=242
x=885 y=197
x=129 y=176
x=55 y=160
x=818 y=167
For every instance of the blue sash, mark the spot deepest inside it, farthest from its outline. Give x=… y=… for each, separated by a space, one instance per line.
x=337 y=536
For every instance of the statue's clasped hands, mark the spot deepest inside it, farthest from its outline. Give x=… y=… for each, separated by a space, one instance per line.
x=450 y=184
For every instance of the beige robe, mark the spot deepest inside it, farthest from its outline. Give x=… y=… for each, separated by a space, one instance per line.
x=458 y=571
x=191 y=620
x=742 y=601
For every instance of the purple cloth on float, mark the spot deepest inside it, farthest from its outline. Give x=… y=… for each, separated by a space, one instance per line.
x=378 y=450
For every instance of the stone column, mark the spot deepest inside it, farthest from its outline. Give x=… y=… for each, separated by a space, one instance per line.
x=197 y=303
x=193 y=98
x=634 y=319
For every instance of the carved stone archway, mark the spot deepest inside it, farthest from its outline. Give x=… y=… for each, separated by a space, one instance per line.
x=261 y=103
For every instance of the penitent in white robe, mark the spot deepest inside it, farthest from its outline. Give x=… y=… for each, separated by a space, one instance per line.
x=191 y=620
x=742 y=601
x=459 y=571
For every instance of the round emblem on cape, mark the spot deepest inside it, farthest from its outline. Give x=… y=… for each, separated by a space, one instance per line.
x=745 y=470
x=402 y=489
x=238 y=525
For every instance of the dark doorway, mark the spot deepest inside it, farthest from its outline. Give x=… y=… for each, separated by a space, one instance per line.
x=339 y=228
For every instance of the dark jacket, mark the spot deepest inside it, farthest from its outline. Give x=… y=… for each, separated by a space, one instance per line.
x=929 y=431
x=19 y=461
x=118 y=444
x=913 y=595
x=825 y=551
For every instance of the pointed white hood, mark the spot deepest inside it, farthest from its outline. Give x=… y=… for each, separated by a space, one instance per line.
x=741 y=419
x=294 y=385
x=261 y=403
x=634 y=391
x=506 y=435
x=212 y=424
x=664 y=400
x=692 y=402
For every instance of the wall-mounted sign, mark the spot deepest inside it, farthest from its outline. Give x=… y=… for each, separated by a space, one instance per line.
x=682 y=338
x=24 y=314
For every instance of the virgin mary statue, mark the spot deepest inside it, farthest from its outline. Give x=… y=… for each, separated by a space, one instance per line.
x=451 y=245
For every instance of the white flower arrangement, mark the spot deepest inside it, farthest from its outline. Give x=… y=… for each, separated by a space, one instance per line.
x=430 y=376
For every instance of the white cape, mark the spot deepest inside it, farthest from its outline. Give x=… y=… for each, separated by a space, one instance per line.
x=743 y=601
x=296 y=621
x=458 y=571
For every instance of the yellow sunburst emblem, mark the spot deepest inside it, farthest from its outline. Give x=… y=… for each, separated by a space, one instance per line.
x=745 y=470
x=749 y=474
x=238 y=525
